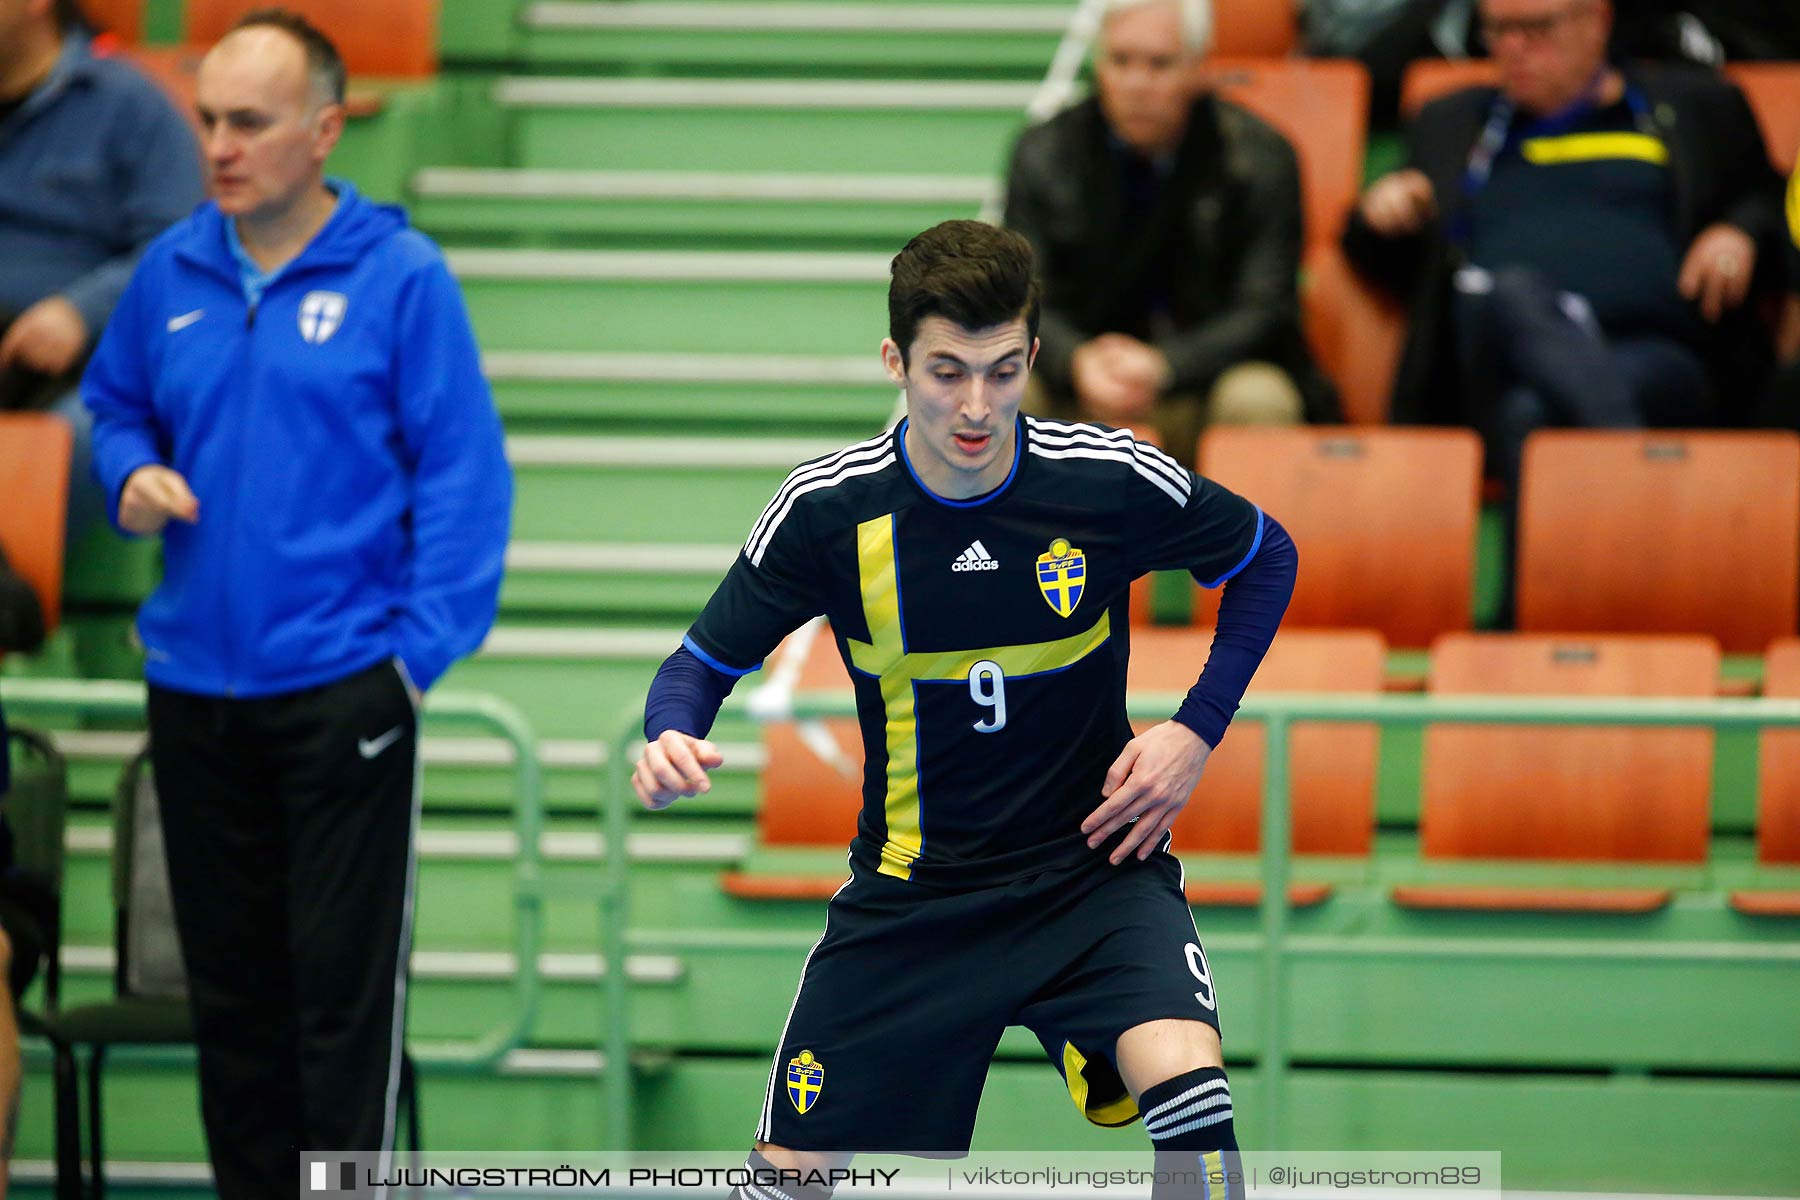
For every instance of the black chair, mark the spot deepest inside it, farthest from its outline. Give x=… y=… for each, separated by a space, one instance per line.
x=36 y=813
x=149 y=1004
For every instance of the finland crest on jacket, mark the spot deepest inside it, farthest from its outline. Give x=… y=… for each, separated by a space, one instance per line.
x=320 y=315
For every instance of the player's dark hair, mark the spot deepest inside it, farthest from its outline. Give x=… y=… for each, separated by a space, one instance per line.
x=323 y=62
x=970 y=273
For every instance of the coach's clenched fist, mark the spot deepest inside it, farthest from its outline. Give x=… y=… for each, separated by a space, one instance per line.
x=152 y=495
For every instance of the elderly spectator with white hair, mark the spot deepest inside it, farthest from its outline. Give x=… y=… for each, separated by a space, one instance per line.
x=1167 y=226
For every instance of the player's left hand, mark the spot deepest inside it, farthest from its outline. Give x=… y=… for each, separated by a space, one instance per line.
x=1151 y=781
x=1716 y=273
x=47 y=337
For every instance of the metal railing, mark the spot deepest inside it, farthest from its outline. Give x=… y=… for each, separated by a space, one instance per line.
x=59 y=698
x=1278 y=713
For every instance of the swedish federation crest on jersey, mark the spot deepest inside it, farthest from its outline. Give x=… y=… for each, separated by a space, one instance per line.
x=320 y=315
x=1062 y=576
x=805 y=1080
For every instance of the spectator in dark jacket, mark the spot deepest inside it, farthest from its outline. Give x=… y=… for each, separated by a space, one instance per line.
x=1576 y=247
x=1167 y=228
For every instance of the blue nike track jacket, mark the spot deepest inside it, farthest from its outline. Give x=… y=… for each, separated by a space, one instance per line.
x=342 y=442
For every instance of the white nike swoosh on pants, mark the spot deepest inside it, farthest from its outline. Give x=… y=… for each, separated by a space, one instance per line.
x=369 y=748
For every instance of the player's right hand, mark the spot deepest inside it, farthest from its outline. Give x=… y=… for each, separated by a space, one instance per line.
x=152 y=496
x=1400 y=203
x=672 y=766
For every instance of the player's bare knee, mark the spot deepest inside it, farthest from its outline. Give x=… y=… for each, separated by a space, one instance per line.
x=1158 y=1051
x=5 y=953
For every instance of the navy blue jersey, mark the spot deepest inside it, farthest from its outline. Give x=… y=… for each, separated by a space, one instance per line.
x=986 y=638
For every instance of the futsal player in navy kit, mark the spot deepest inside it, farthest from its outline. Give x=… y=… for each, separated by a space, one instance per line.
x=1012 y=861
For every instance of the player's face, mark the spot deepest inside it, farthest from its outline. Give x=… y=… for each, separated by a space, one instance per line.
x=266 y=132
x=1147 y=79
x=963 y=391
x=1547 y=50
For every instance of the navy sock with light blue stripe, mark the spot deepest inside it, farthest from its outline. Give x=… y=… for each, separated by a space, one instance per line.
x=1189 y=1120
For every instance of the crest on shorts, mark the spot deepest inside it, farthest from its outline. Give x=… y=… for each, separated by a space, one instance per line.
x=1062 y=576
x=806 y=1079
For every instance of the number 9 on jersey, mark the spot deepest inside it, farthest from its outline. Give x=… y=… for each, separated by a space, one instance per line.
x=987 y=687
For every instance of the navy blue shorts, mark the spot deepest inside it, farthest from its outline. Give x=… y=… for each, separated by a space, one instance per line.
x=903 y=1001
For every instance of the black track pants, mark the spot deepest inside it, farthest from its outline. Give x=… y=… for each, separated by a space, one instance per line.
x=290 y=824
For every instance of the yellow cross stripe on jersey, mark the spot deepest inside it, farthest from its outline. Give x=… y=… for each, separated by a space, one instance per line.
x=885 y=656
x=1793 y=207
x=1592 y=147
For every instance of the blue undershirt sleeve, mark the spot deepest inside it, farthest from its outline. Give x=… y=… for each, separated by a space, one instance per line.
x=685 y=696
x=1250 y=611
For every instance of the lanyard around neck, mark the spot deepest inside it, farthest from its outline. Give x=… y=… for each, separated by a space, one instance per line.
x=1500 y=129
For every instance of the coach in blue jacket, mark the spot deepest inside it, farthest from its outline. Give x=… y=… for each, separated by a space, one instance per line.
x=289 y=393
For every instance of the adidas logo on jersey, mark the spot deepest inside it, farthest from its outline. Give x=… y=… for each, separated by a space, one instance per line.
x=975 y=558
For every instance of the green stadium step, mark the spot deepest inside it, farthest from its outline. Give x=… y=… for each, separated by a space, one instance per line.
x=833 y=126
x=1574 y=994
x=1666 y=1135
x=655 y=578
x=459 y=204
x=462 y=774
x=672 y=302
x=845 y=397
x=571 y=683
x=982 y=39
x=465 y=773
x=676 y=491
x=104 y=567
x=468 y=877
x=1370 y=981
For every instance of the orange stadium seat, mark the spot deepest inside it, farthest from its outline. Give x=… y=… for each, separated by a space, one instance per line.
x=1332 y=766
x=124 y=19
x=1384 y=520
x=174 y=69
x=1255 y=28
x=1356 y=334
x=1778 y=789
x=1322 y=107
x=1430 y=78
x=394 y=38
x=1588 y=794
x=1675 y=531
x=34 y=478
x=1773 y=90
x=811 y=785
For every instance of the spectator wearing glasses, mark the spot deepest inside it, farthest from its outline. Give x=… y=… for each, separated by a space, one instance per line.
x=1576 y=246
